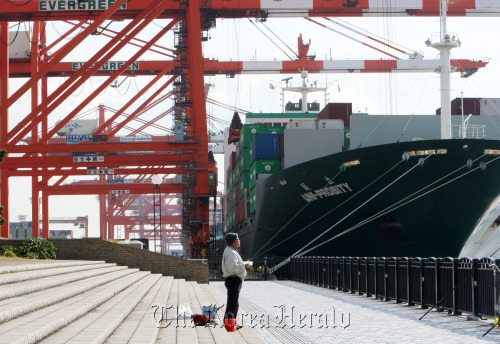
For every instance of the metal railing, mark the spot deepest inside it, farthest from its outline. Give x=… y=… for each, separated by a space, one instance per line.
x=468 y=132
x=457 y=285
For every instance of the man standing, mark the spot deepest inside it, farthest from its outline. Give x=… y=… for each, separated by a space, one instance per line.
x=234 y=271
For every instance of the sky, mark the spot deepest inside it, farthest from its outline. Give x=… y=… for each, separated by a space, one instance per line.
x=396 y=93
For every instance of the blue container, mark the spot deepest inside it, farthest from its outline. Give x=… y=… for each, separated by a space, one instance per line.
x=266 y=146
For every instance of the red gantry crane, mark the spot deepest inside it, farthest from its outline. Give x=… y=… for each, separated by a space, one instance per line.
x=37 y=151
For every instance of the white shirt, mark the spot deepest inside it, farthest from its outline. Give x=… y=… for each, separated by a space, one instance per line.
x=232 y=264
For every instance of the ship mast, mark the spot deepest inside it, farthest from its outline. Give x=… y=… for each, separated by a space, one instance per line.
x=303 y=89
x=444 y=43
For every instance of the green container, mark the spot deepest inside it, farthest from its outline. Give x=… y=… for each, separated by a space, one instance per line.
x=233 y=192
x=244 y=183
x=250 y=130
x=252 y=179
x=264 y=166
x=244 y=160
x=253 y=200
x=347 y=138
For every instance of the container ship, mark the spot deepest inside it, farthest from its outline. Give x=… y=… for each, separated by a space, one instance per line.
x=332 y=182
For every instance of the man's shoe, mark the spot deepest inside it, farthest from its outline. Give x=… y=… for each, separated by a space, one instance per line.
x=230 y=325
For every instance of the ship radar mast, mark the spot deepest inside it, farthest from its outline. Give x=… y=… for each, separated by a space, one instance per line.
x=304 y=90
x=444 y=42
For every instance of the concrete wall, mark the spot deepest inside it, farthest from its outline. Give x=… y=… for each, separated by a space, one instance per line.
x=97 y=249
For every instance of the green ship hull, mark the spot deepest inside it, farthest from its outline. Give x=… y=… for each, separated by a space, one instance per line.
x=385 y=205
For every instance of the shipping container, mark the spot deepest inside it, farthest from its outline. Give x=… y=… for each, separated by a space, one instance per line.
x=252 y=178
x=229 y=201
x=244 y=183
x=240 y=211
x=265 y=146
x=244 y=160
x=490 y=106
x=282 y=145
x=230 y=181
x=253 y=200
x=265 y=166
x=237 y=189
x=316 y=124
x=78 y=127
x=232 y=161
x=472 y=106
x=347 y=138
x=342 y=111
x=307 y=144
x=250 y=130
x=230 y=222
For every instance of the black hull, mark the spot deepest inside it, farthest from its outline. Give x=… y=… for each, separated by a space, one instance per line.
x=382 y=207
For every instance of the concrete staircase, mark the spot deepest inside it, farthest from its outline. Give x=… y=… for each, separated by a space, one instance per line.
x=98 y=302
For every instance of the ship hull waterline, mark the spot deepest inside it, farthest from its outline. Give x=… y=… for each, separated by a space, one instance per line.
x=426 y=206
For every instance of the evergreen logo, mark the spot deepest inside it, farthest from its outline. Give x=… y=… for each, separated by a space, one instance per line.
x=108 y=65
x=75 y=5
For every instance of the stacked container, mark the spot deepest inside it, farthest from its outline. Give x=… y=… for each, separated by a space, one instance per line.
x=265 y=146
x=257 y=152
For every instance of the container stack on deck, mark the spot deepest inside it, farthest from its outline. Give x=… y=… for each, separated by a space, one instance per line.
x=257 y=152
x=266 y=148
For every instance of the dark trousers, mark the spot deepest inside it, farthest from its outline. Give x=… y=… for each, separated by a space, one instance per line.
x=233 y=285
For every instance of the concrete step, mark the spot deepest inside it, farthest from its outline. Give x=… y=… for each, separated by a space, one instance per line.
x=95 y=302
x=39 y=324
x=29 y=285
x=49 y=264
x=27 y=275
x=142 y=324
x=175 y=328
x=101 y=322
x=17 y=306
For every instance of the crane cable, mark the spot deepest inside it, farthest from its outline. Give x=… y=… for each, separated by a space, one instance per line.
x=270 y=39
x=411 y=53
x=275 y=35
x=351 y=38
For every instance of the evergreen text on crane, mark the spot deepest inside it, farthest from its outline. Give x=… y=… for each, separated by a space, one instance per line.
x=72 y=5
x=108 y=65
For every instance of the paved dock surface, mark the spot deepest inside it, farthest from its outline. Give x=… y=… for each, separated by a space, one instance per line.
x=57 y=302
x=291 y=312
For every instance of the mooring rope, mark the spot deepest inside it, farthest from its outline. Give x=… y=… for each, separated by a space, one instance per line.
x=394 y=208
x=419 y=163
x=388 y=209
x=321 y=217
x=286 y=224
